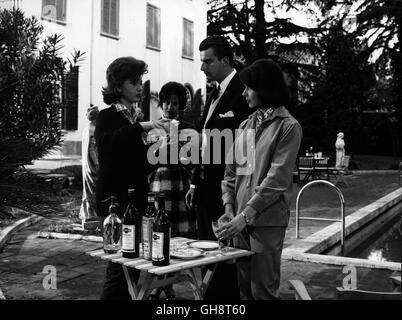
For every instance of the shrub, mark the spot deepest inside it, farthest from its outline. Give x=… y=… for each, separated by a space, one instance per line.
x=31 y=80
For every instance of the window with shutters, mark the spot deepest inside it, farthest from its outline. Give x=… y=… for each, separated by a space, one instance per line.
x=153 y=27
x=110 y=18
x=54 y=10
x=188 y=39
x=69 y=114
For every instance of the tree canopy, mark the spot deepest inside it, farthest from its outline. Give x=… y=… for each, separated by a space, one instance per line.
x=343 y=57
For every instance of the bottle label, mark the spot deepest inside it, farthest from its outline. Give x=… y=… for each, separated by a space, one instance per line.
x=157 y=246
x=145 y=237
x=128 y=238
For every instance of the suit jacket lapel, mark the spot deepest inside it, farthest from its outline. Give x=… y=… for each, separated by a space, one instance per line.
x=225 y=98
x=206 y=110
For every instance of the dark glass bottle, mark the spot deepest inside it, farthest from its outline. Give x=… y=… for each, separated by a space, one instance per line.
x=161 y=235
x=112 y=229
x=147 y=225
x=131 y=229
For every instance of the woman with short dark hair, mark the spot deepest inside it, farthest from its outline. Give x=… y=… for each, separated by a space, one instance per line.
x=256 y=194
x=173 y=179
x=122 y=153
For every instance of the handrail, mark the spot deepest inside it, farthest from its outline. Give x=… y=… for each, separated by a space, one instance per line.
x=342 y=200
x=400 y=173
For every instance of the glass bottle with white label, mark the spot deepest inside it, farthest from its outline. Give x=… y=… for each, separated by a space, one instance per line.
x=147 y=225
x=131 y=229
x=161 y=235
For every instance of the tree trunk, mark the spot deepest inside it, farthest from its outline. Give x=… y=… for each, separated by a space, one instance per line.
x=246 y=45
x=260 y=32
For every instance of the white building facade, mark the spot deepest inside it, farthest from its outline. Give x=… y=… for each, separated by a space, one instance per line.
x=163 y=33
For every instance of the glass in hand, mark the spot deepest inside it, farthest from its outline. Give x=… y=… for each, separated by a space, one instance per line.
x=215 y=226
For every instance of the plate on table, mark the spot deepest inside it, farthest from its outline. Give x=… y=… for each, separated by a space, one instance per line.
x=185 y=253
x=204 y=244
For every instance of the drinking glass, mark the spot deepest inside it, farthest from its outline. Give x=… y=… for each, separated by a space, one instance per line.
x=215 y=226
x=222 y=243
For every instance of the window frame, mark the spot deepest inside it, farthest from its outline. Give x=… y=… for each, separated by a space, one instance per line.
x=184 y=53
x=63 y=12
x=107 y=33
x=159 y=28
x=70 y=98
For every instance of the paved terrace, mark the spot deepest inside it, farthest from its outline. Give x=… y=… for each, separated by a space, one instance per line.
x=81 y=277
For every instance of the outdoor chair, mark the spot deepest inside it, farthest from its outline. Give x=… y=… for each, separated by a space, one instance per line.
x=301 y=293
x=322 y=167
x=339 y=172
x=305 y=165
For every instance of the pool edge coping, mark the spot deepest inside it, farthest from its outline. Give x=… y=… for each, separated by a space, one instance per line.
x=309 y=249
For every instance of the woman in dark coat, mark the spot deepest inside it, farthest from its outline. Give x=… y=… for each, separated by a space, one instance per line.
x=122 y=153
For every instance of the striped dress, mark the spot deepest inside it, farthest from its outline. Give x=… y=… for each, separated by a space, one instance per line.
x=174 y=181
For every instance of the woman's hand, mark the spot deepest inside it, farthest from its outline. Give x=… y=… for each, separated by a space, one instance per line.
x=147 y=125
x=233 y=228
x=162 y=124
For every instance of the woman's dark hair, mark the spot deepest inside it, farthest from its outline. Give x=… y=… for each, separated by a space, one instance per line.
x=220 y=46
x=120 y=70
x=173 y=88
x=266 y=78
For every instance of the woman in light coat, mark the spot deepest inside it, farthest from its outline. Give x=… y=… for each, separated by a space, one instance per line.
x=256 y=194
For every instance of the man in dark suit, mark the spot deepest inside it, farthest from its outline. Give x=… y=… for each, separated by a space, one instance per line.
x=225 y=109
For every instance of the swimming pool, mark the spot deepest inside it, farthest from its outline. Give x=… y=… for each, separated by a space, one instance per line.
x=365 y=230
x=383 y=245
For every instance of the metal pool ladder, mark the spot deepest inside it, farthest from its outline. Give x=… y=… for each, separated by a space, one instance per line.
x=342 y=201
x=400 y=173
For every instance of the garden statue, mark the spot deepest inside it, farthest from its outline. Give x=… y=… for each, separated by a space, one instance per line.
x=89 y=171
x=340 y=149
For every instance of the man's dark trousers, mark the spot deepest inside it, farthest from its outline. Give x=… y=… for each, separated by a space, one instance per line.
x=223 y=285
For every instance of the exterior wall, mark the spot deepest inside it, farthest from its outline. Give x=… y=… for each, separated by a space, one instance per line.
x=82 y=31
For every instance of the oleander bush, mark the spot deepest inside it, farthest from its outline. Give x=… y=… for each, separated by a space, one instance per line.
x=31 y=82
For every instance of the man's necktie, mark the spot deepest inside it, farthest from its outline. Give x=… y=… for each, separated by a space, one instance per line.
x=215 y=94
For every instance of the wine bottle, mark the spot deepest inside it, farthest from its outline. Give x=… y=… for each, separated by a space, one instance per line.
x=112 y=229
x=147 y=225
x=161 y=235
x=131 y=229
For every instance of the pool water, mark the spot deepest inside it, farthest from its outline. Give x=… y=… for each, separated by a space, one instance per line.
x=384 y=245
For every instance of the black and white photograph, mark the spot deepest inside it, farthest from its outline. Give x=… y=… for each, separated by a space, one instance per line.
x=219 y=151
